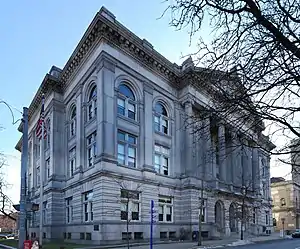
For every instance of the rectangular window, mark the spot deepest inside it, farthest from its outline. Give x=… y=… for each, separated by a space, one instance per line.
x=91 y=149
x=165 y=209
x=121 y=106
x=73 y=127
x=48 y=170
x=161 y=159
x=38 y=176
x=69 y=210
x=72 y=161
x=267 y=217
x=130 y=205
x=45 y=212
x=87 y=200
x=127 y=147
x=203 y=218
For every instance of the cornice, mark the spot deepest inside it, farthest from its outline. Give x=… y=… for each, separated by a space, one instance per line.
x=49 y=84
x=116 y=34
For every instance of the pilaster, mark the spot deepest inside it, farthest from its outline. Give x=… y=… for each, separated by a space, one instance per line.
x=208 y=150
x=106 y=111
x=188 y=136
x=148 y=128
x=79 y=131
x=222 y=152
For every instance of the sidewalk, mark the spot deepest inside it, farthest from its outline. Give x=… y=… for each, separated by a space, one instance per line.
x=231 y=241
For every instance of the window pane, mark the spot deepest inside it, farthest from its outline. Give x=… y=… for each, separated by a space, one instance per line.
x=121 y=149
x=165 y=151
x=131 y=115
x=131 y=139
x=121 y=159
x=121 y=136
x=121 y=103
x=161 y=209
x=126 y=91
x=135 y=207
x=157 y=159
x=131 y=162
x=157 y=148
x=123 y=206
x=135 y=215
x=131 y=152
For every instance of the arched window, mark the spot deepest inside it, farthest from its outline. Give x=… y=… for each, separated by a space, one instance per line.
x=126 y=102
x=73 y=121
x=161 y=122
x=263 y=167
x=92 y=103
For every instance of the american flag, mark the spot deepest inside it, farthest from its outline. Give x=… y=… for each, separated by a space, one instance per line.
x=41 y=121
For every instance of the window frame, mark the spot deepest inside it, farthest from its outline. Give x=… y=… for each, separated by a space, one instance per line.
x=164 y=206
x=69 y=209
x=159 y=168
x=45 y=218
x=159 y=119
x=72 y=161
x=48 y=169
x=127 y=102
x=91 y=149
x=128 y=198
x=92 y=104
x=87 y=206
x=72 y=124
x=204 y=210
x=127 y=145
x=38 y=175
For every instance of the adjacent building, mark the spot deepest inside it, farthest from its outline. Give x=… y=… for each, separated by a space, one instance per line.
x=286 y=204
x=116 y=140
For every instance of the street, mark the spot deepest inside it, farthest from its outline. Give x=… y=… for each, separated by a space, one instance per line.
x=281 y=244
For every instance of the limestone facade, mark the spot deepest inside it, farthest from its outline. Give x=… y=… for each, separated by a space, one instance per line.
x=115 y=117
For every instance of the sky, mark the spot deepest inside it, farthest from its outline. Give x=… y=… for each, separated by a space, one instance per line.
x=38 y=34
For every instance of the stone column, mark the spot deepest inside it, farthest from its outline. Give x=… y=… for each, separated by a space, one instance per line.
x=222 y=152
x=188 y=137
x=106 y=120
x=208 y=150
x=229 y=161
x=237 y=159
x=148 y=128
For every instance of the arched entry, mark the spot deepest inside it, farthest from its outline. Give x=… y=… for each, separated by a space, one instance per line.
x=233 y=222
x=220 y=216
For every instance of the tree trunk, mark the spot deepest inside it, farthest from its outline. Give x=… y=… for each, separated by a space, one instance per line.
x=242 y=220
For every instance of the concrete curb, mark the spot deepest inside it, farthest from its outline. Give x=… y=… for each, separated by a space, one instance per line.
x=8 y=247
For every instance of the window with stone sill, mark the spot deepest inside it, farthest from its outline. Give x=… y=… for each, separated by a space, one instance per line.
x=267 y=217
x=69 y=210
x=127 y=149
x=91 y=148
x=126 y=102
x=48 y=133
x=130 y=205
x=204 y=206
x=45 y=212
x=92 y=104
x=161 y=119
x=38 y=176
x=87 y=202
x=161 y=159
x=282 y=202
x=48 y=169
x=165 y=209
x=72 y=161
x=73 y=122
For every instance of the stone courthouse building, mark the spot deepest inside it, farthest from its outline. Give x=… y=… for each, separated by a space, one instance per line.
x=114 y=119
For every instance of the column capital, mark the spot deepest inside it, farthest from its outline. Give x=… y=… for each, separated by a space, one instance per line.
x=148 y=88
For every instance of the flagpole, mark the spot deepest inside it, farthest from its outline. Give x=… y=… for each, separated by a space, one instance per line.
x=42 y=162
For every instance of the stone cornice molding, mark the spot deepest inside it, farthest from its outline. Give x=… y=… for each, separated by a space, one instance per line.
x=117 y=35
x=49 y=84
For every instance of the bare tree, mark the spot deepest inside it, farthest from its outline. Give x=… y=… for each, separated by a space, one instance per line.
x=251 y=65
x=129 y=200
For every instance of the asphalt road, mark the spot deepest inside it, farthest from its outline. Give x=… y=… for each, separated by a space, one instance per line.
x=281 y=244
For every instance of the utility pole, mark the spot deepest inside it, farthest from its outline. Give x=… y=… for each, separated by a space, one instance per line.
x=42 y=162
x=24 y=160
